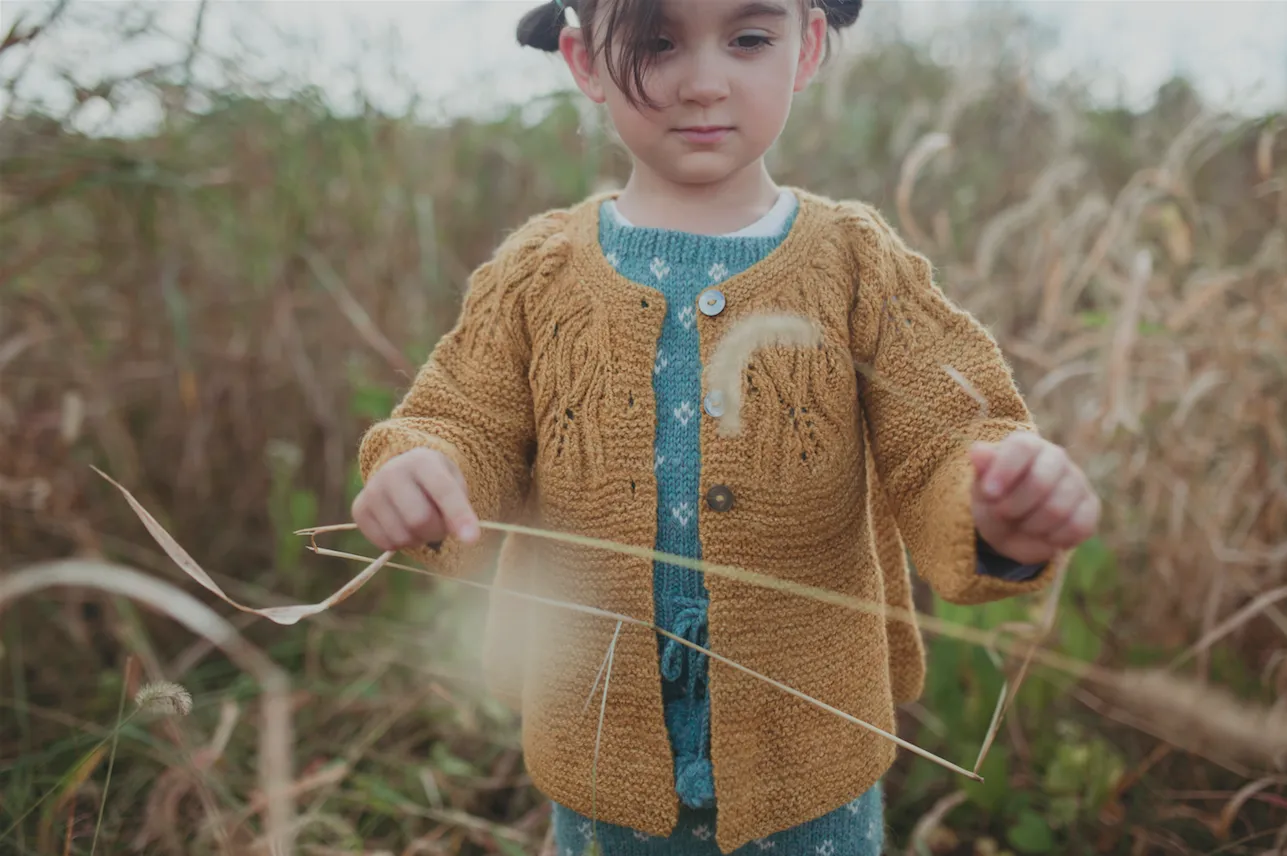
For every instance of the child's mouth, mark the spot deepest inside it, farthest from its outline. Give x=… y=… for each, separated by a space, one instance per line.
x=705 y=134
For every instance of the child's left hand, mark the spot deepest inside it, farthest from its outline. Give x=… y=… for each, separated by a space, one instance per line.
x=1030 y=500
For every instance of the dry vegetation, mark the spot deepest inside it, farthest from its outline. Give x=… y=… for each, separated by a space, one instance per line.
x=213 y=313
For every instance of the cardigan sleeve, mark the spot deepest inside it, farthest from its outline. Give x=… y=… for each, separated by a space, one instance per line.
x=472 y=400
x=932 y=381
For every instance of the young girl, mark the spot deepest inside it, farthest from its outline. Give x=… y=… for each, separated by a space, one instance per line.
x=573 y=392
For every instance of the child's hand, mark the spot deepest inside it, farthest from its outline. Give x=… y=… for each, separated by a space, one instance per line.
x=415 y=499
x=1029 y=499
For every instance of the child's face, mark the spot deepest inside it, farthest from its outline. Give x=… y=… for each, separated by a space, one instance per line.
x=722 y=82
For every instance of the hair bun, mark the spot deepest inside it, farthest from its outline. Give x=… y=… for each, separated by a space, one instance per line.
x=841 y=13
x=540 y=28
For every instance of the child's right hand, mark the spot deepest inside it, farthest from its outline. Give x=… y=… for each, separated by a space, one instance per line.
x=415 y=499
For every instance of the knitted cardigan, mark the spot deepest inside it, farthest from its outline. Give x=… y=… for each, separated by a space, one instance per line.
x=542 y=394
x=681 y=265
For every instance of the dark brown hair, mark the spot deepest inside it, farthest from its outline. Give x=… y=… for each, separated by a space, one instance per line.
x=636 y=25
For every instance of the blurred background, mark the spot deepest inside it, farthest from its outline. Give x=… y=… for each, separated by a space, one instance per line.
x=230 y=232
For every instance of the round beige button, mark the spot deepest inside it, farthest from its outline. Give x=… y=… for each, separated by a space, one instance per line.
x=713 y=404
x=711 y=301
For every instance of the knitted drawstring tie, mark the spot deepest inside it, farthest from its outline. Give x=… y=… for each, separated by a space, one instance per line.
x=689 y=719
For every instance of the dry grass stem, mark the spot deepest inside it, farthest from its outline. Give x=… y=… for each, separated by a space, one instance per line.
x=1230 y=812
x=1050 y=610
x=970 y=389
x=921 y=154
x=161 y=809
x=598 y=735
x=1240 y=618
x=598 y=677
x=280 y=614
x=1015 y=219
x=922 y=620
x=1203 y=718
x=356 y=314
x=603 y=613
x=930 y=821
x=1118 y=409
x=111 y=763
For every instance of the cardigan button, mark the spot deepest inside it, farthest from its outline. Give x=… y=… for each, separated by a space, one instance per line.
x=719 y=498
x=711 y=301
x=713 y=404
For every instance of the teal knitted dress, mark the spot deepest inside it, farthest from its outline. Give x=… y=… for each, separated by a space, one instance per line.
x=681 y=266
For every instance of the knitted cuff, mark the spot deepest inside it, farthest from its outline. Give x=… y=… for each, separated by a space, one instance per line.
x=939 y=527
x=993 y=564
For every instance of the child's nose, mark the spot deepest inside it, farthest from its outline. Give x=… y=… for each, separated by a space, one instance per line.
x=705 y=81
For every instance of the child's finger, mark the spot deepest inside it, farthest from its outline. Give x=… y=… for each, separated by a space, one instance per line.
x=1035 y=485
x=982 y=455
x=1080 y=526
x=449 y=494
x=1013 y=457
x=390 y=522
x=416 y=511
x=371 y=527
x=1056 y=509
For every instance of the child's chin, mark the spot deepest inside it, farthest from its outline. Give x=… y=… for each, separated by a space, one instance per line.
x=701 y=167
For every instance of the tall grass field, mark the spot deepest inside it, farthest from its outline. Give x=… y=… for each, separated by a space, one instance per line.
x=212 y=312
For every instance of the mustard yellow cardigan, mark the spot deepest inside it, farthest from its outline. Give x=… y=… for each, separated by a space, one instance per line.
x=542 y=394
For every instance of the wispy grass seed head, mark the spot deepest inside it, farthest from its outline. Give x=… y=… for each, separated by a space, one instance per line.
x=163 y=697
x=1201 y=717
x=728 y=364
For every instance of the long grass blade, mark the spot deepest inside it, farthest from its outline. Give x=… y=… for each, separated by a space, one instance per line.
x=638 y=622
x=598 y=736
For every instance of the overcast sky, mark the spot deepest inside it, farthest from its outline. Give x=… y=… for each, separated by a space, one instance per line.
x=460 y=55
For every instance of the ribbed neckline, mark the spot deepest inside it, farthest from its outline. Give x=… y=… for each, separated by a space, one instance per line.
x=733 y=251
x=790 y=252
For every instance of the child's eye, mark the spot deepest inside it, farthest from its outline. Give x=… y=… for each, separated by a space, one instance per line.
x=752 y=42
x=661 y=45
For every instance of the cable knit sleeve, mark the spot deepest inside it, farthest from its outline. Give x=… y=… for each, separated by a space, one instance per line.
x=925 y=365
x=472 y=399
